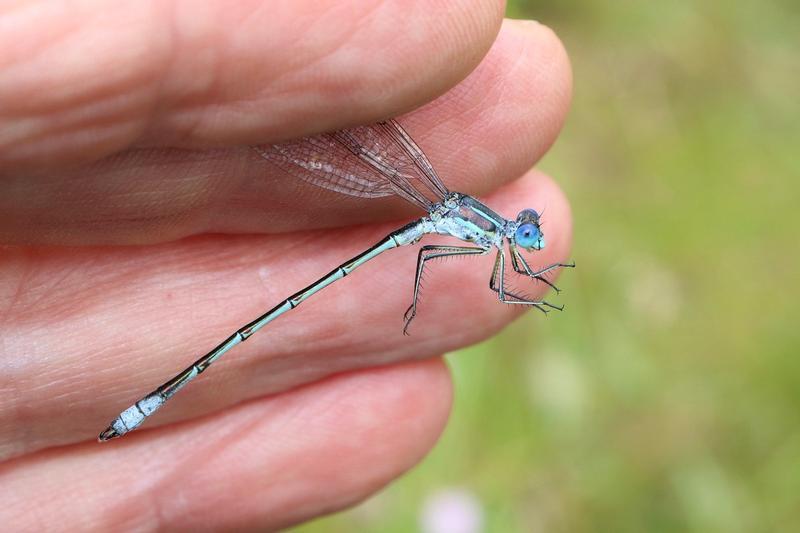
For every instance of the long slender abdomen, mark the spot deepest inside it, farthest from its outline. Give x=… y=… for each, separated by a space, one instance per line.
x=135 y=415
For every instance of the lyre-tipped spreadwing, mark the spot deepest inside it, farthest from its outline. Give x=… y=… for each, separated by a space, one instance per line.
x=370 y=162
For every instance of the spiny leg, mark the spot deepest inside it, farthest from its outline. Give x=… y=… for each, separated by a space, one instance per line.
x=517 y=260
x=426 y=253
x=497 y=284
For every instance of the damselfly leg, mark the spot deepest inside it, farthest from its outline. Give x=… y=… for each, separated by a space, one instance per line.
x=497 y=284
x=522 y=267
x=427 y=253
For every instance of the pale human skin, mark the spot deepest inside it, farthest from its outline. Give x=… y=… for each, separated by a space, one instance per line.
x=141 y=233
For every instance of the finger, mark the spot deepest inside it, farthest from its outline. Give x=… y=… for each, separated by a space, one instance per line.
x=260 y=466
x=484 y=133
x=88 y=331
x=84 y=81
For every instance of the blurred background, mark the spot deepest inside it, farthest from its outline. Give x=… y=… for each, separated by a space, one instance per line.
x=667 y=396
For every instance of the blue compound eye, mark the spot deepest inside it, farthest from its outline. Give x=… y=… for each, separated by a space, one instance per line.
x=529 y=236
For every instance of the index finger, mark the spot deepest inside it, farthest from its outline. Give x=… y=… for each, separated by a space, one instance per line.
x=485 y=132
x=84 y=81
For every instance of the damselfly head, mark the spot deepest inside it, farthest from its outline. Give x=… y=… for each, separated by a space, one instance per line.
x=529 y=230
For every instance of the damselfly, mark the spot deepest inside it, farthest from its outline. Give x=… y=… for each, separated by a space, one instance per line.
x=370 y=162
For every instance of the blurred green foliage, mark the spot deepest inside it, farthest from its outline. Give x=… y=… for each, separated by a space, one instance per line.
x=667 y=396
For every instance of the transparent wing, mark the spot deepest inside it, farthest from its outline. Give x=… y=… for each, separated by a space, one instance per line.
x=427 y=175
x=366 y=161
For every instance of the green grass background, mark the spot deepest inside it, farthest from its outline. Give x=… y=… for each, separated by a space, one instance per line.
x=667 y=396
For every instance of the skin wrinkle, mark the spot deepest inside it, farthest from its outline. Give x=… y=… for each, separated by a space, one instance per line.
x=181 y=205
x=496 y=103
x=345 y=36
x=24 y=45
x=60 y=297
x=110 y=88
x=174 y=105
x=58 y=147
x=186 y=107
x=37 y=294
x=258 y=11
x=157 y=107
x=350 y=92
x=103 y=110
x=25 y=60
x=17 y=258
x=327 y=86
x=88 y=97
x=193 y=204
x=16 y=387
x=26 y=410
x=17 y=432
x=143 y=488
x=13 y=421
x=554 y=92
x=210 y=39
x=96 y=96
x=173 y=479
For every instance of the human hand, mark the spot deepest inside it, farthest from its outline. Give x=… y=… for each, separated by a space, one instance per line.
x=141 y=233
